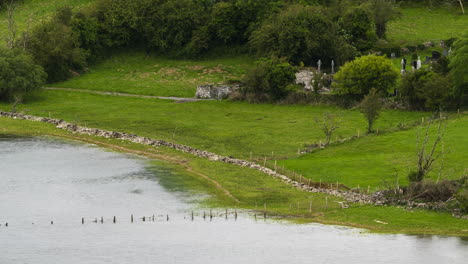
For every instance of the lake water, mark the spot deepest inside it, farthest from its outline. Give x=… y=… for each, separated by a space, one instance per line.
x=45 y=179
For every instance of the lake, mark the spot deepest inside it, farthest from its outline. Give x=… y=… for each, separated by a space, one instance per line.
x=45 y=179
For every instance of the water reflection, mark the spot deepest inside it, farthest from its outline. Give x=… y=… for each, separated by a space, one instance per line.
x=48 y=179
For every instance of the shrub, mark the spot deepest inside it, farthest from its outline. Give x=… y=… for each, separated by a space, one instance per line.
x=356 y=27
x=359 y=76
x=371 y=107
x=18 y=74
x=269 y=80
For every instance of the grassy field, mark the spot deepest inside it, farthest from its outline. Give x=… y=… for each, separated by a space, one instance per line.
x=227 y=128
x=379 y=161
x=31 y=12
x=418 y=25
x=137 y=73
x=254 y=190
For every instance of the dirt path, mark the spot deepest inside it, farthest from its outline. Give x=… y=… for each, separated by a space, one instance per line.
x=177 y=99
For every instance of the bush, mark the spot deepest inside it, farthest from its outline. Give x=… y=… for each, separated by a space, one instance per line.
x=270 y=80
x=18 y=74
x=426 y=90
x=428 y=191
x=301 y=34
x=359 y=76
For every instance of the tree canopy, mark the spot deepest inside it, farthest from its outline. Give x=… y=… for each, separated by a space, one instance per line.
x=359 y=76
x=18 y=74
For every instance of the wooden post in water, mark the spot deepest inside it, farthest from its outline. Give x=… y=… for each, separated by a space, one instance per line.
x=131 y=218
x=211 y=214
x=115 y=219
x=6 y=224
x=167 y=217
x=82 y=220
x=51 y=222
x=102 y=219
x=152 y=218
x=204 y=215
x=235 y=215
x=143 y=218
x=226 y=214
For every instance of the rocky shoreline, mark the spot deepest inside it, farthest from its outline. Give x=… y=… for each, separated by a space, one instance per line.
x=377 y=198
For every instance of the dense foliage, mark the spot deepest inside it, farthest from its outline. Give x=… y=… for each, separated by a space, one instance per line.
x=298 y=30
x=18 y=74
x=425 y=90
x=270 y=80
x=359 y=76
x=301 y=34
x=459 y=71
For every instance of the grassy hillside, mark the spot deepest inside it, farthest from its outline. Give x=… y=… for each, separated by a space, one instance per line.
x=417 y=25
x=228 y=128
x=31 y=12
x=138 y=73
x=377 y=161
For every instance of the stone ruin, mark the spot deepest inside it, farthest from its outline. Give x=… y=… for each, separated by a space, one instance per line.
x=218 y=92
x=222 y=91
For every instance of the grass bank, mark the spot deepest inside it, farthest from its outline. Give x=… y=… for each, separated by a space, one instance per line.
x=138 y=73
x=384 y=160
x=227 y=128
x=253 y=189
x=418 y=25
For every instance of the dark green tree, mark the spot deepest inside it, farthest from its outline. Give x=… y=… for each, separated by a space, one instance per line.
x=18 y=74
x=301 y=34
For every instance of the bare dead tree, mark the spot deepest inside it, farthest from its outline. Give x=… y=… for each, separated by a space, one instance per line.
x=17 y=99
x=427 y=153
x=328 y=123
x=461 y=5
x=11 y=25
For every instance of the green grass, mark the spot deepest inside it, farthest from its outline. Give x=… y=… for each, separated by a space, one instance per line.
x=377 y=161
x=254 y=189
x=226 y=128
x=418 y=25
x=137 y=73
x=32 y=12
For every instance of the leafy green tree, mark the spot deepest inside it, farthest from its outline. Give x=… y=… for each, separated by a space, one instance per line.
x=269 y=80
x=56 y=47
x=301 y=34
x=426 y=90
x=459 y=70
x=357 y=27
x=18 y=74
x=371 y=106
x=359 y=76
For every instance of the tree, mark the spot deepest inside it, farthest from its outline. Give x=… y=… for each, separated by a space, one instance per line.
x=371 y=107
x=11 y=38
x=301 y=34
x=328 y=123
x=359 y=76
x=56 y=47
x=18 y=74
x=426 y=90
x=459 y=70
x=356 y=25
x=426 y=158
x=383 y=11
